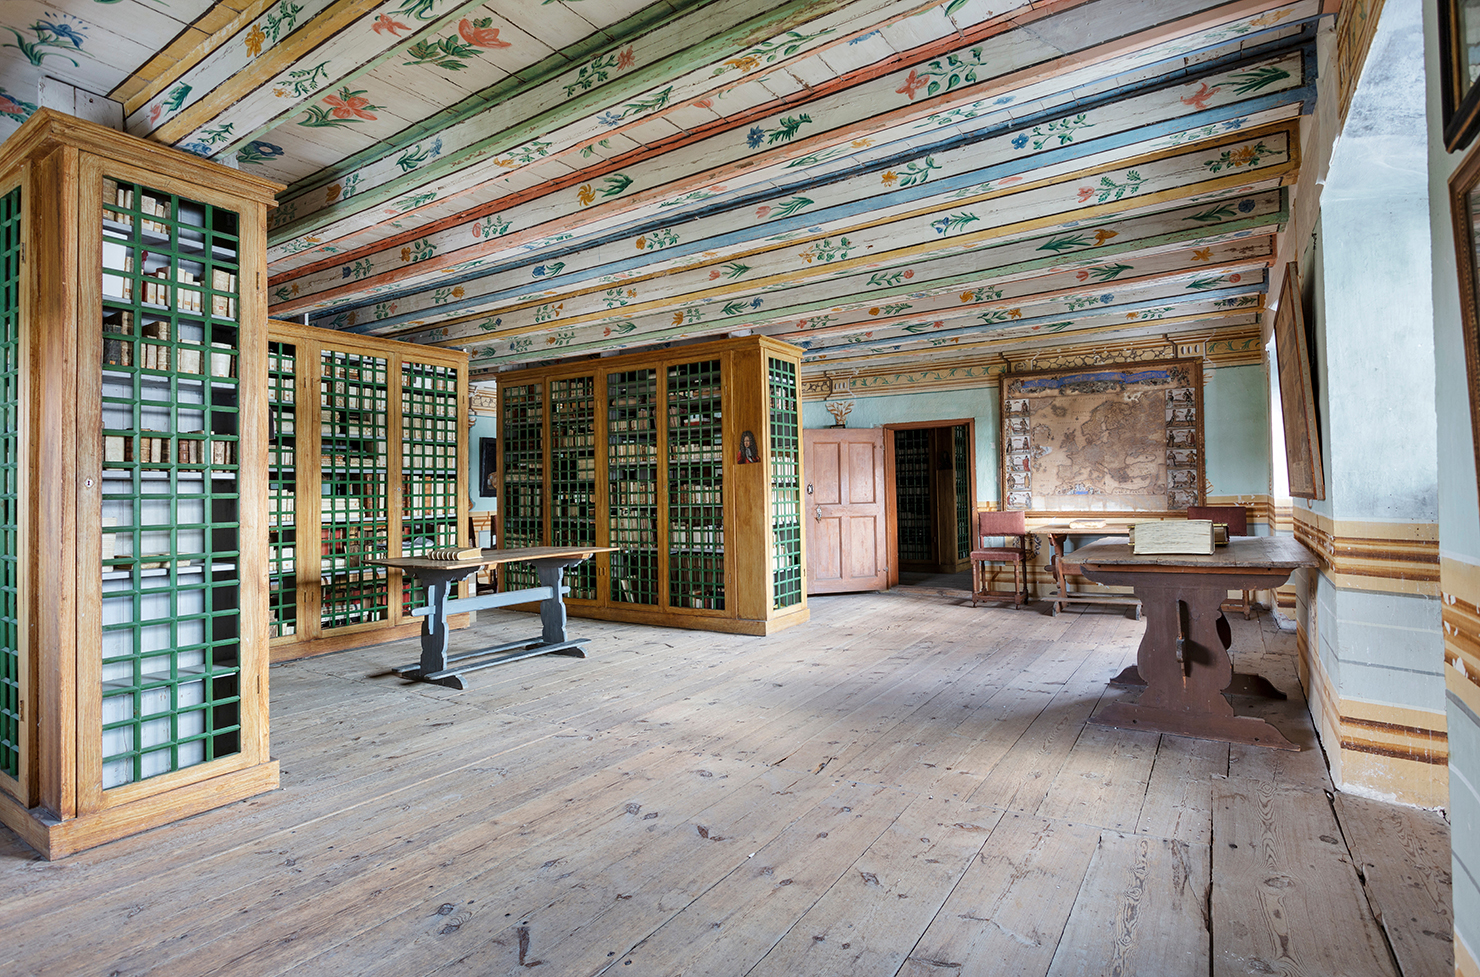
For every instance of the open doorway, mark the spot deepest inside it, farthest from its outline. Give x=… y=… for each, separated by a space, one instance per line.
x=932 y=490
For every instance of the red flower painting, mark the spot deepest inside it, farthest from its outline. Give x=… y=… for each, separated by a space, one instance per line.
x=480 y=34
x=349 y=105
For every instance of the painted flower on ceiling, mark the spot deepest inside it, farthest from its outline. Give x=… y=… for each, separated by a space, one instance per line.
x=479 y=34
x=258 y=151
x=913 y=84
x=385 y=23
x=347 y=105
x=15 y=108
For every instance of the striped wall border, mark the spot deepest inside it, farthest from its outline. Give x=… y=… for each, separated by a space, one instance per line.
x=1460 y=620
x=1392 y=558
x=1394 y=751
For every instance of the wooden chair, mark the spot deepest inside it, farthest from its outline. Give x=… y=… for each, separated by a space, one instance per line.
x=1005 y=525
x=1236 y=518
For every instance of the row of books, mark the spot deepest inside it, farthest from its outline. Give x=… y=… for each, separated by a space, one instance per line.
x=693 y=453
x=124 y=197
x=687 y=494
x=118 y=448
x=710 y=538
x=634 y=493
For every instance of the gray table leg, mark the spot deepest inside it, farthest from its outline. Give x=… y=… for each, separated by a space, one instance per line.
x=552 y=609
x=434 y=631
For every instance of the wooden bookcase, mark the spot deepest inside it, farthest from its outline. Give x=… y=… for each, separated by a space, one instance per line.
x=647 y=452
x=367 y=458
x=133 y=667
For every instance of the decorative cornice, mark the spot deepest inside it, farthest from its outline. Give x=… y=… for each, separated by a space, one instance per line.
x=1237 y=346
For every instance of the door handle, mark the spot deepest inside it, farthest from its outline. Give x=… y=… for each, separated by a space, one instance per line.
x=819 y=513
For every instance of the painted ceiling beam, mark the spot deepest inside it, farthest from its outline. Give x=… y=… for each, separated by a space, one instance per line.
x=1224 y=165
x=1097 y=255
x=1040 y=147
x=504 y=130
x=850 y=114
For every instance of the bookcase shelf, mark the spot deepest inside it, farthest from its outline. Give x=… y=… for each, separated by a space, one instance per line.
x=341 y=491
x=687 y=461
x=134 y=422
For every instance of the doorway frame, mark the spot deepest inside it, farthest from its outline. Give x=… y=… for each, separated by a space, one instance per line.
x=890 y=498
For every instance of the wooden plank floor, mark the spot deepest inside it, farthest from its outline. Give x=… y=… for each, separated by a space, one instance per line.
x=904 y=785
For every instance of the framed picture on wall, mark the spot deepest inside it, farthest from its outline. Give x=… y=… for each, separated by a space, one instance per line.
x=1459 y=62
x=1112 y=437
x=487 y=467
x=1297 y=393
x=1464 y=209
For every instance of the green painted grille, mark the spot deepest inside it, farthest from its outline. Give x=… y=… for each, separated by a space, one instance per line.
x=11 y=467
x=912 y=494
x=354 y=400
x=965 y=504
x=632 y=483
x=282 y=531
x=573 y=475
x=696 y=518
x=431 y=473
x=521 y=415
x=786 y=487
x=170 y=642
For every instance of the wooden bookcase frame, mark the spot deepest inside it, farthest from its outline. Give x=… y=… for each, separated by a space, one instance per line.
x=310 y=344
x=755 y=497
x=58 y=800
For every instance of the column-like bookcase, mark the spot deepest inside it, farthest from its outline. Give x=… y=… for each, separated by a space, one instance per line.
x=687 y=461
x=367 y=460
x=133 y=374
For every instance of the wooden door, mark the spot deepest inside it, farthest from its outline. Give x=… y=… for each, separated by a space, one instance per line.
x=843 y=510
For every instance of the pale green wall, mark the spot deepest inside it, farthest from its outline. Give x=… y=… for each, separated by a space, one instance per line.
x=1236 y=429
x=483 y=427
x=975 y=402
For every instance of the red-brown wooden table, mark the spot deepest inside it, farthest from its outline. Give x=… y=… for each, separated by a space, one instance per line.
x=1183 y=660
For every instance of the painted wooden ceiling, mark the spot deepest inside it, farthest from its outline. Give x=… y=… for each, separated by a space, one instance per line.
x=874 y=180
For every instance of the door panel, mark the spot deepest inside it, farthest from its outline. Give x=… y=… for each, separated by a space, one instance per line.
x=864 y=460
x=826 y=479
x=863 y=549
x=847 y=538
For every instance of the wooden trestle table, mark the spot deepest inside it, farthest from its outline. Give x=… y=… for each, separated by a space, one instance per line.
x=550 y=563
x=1183 y=659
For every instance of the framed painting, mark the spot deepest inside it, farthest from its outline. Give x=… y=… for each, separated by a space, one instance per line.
x=1459 y=64
x=1119 y=437
x=487 y=468
x=1464 y=209
x=1297 y=393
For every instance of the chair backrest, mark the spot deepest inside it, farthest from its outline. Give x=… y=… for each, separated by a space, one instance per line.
x=1013 y=522
x=1236 y=517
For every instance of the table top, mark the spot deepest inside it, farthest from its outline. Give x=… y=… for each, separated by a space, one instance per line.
x=494 y=557
x=1064 y=529
x=1241 y=553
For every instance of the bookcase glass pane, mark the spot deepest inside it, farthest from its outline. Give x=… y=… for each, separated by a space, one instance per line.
x=696 y=518
x=912 y=494
x=431 y=474
x=282 y=526
x=354 y=404
x=10 y=475
x=786 y=486
x=170 y=641
x=965 y=504
x=573 y=476
x=521 y=416
x=632 y=484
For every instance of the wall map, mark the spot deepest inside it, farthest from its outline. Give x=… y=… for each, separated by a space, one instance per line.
x=1109 y=438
